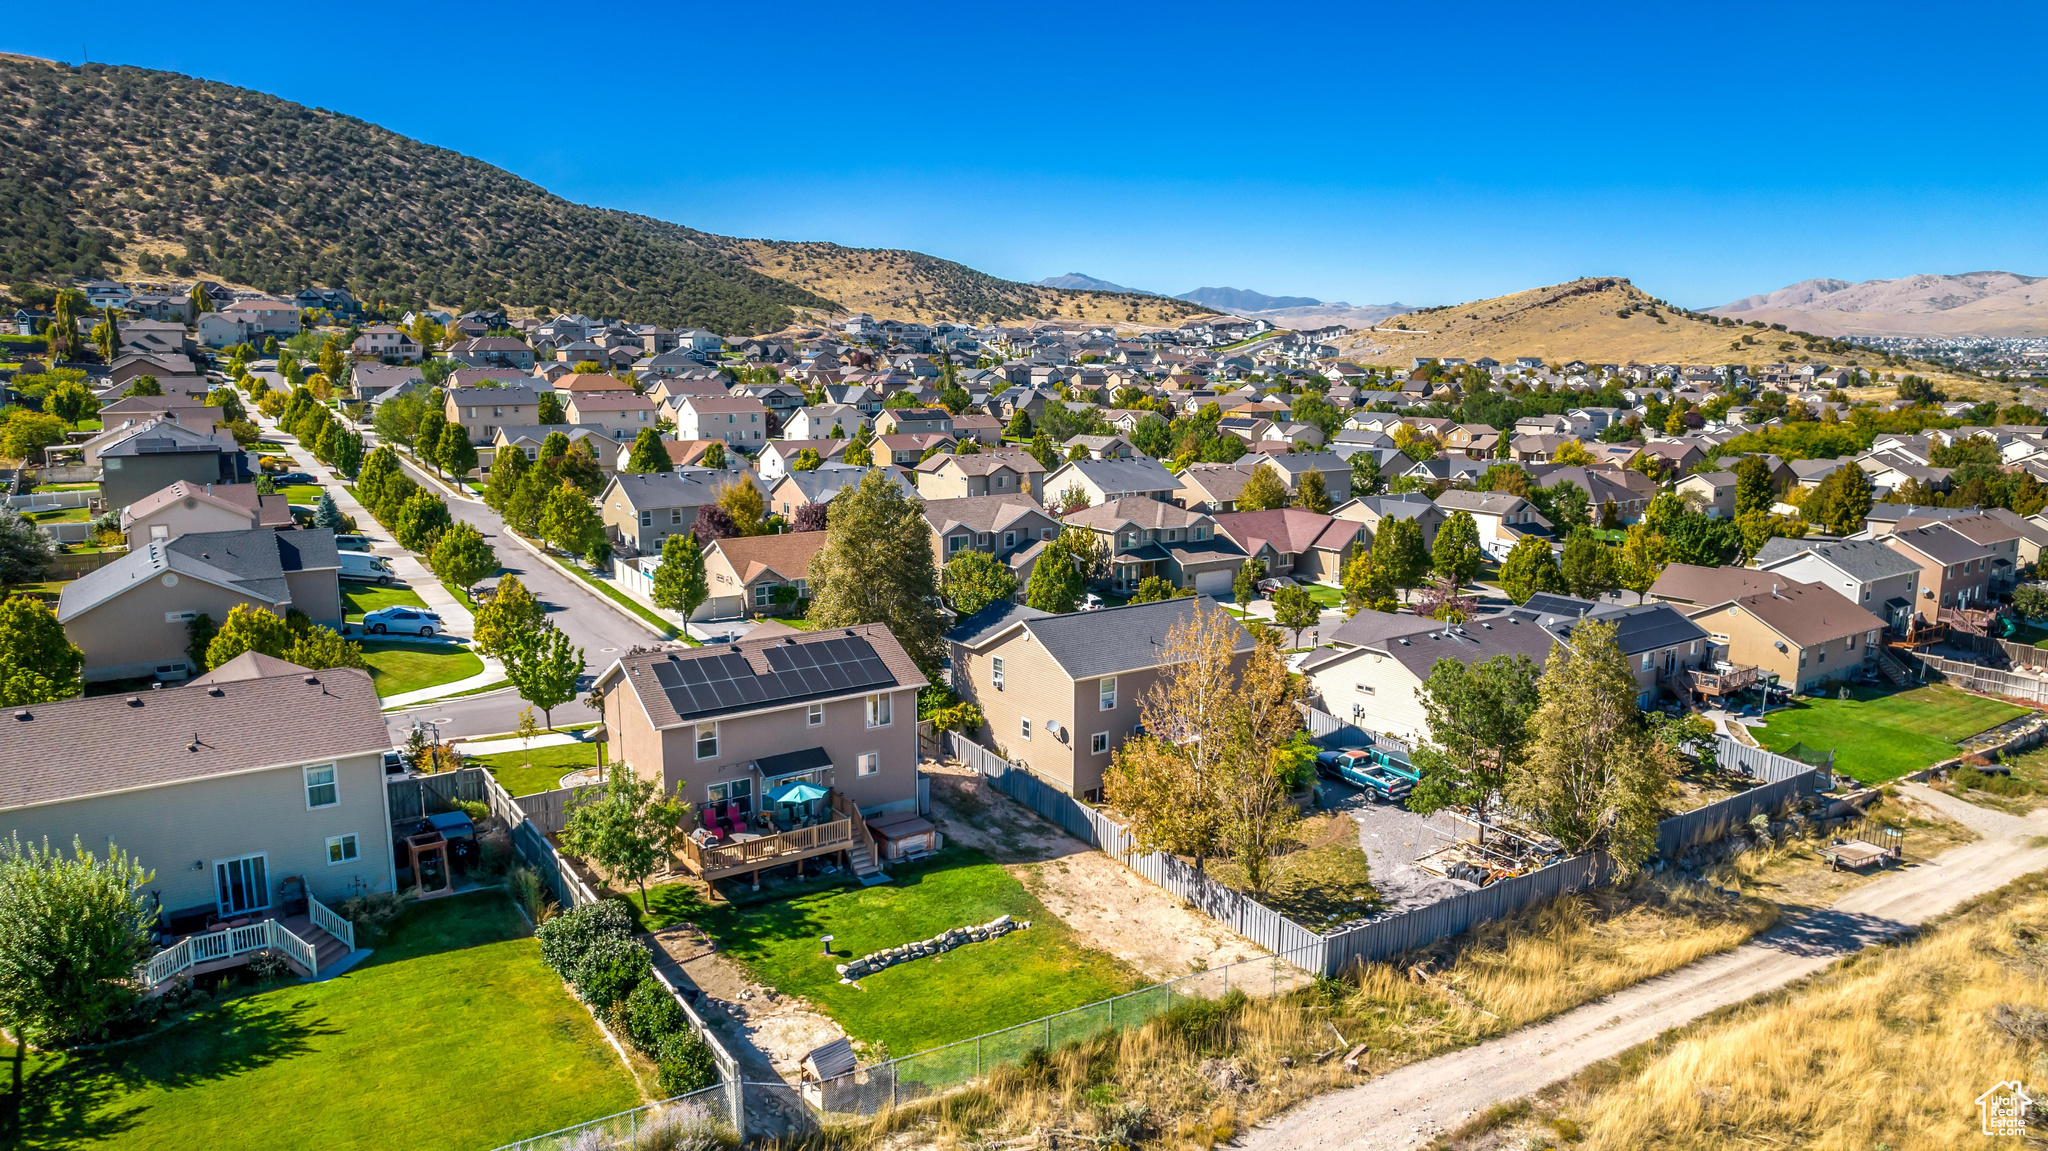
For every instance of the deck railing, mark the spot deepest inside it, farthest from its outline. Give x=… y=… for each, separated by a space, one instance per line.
x=263 y=935
x=763 y=851
x=326 y=920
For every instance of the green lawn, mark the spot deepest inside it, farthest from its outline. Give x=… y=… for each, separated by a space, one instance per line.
x=1327 y=598
x=527 y=772
x=978 y=988
x=397 y=667
x=359 y=599
x=67 y=487
x=605 y=588
x=1879 y=735
x=61 y=515
x=307 y=494
x=453 y=1012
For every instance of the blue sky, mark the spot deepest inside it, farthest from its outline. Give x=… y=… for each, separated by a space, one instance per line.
x=1361 y=152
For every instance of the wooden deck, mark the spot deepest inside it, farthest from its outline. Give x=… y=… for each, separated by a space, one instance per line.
x=847 y=833
x=327 y=951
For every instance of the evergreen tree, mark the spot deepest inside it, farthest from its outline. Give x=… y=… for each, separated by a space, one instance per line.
x=551 y=411
x=649 y=454
x=38 y=663
x=327 y=513
x=876 y=567
x=714 y=454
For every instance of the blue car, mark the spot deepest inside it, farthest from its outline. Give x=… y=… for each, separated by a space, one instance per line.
x=1355 y=766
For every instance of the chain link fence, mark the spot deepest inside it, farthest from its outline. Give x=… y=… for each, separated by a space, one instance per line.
x=669 y=1123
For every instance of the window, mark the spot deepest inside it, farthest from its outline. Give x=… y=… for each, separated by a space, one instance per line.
x=814 y=716
x=1365 y=689
x=764 y=593
x=880 y=709
x=242 y=884
x=675 y=516
x=1098 y=743
x=341 y=849
x=954 y=544
x=321 y=790
x=1045 y=534
x=1009 y=539
x=533 y=453
x=1647 y=656
x=646 y=519
x=707 y=740
x=1024 y=728
x=869 y=763
x=996 y=672
x=1105 y=693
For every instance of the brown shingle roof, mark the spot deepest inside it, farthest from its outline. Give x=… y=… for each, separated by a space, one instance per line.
x=155 y=738
x=1807 y=614
x=787 y=554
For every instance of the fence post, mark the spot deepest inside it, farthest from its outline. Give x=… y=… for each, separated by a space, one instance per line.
x=1048 y=1035
x=977 y=1057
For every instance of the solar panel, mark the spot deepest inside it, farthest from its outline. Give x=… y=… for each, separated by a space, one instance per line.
x=728 y=682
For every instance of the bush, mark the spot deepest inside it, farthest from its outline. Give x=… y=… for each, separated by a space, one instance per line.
x=531 y=893
x=610 y=968
x=565 y=939
x=652 y=1015
x=371 y=912
x=685 y=1064
x=476 y=809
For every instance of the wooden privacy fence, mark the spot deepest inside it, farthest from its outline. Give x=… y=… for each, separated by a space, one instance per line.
x=1709 y=823
x=427 y=795
x=549 y=810
x=1328 y=730
x=1989 y=680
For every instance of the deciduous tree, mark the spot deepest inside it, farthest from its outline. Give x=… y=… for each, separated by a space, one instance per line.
x=1456 y=556
x=72 y=932
x=679 y=582
x=1588 y=566
x=38 y=663
x=876 y=567
x=507 y=618
x=973 y=580
x=1530 y=567
x=1398 y=553
x=463 y=557
x=1296 y=610
x=543 y=667
x=1478 y=732
x=1262 y=491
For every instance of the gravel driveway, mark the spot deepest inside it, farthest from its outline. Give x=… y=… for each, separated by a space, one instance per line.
x=1392 y=838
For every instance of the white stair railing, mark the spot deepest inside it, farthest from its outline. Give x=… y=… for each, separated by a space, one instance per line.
x=282 y=939
x=265 y=934
x=327 y=920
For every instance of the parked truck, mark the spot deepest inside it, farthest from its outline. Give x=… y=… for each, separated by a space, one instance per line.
x=1355 y=766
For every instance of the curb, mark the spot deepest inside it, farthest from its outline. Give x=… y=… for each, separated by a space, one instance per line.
x=593 y=592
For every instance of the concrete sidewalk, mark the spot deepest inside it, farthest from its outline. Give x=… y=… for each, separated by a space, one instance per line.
x=408 y=566
x=550 y=739
x=493 y=672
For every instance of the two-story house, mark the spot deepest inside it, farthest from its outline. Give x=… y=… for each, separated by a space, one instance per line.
x=1000 y=526
x=914 y=421
x=819 y=421
x=908 y=449
x=1105 y=480
x=738 y=420
x=1955 y=571
x=494 y=352
x=822 y=485
x=1876 y=578
x=625 y=409
x=997 y=473
x=640 y=510
x=482 y=411
x=1372 y=511
x=182 y=508
x=387 y=344
x=1294 y=466
x=1060 y=693
x=1806 y=634
x=1503 y=518
x=1147 y=537
x=1997 y=537
x=799 y=740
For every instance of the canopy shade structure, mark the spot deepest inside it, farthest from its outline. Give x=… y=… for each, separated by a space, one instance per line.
x=799 y=793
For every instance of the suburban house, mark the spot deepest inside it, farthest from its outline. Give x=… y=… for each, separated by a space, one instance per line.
x=252 y=787
x=131 y=617
x=1876 y=578
x=1101 y=447
x=985 y=430
x=1806 y=634
x=1060 y=693
x=1994 y=535
x=604 y=443
x=2032 y=531
x=1295 y=542
x=1714 y=491
x=819 y=421
x=624 y=410
x=738 y=420
x=907 y=449
x=730 y=727
x=1372 y=511
x=744 y=573
x=494 y=352
x=1955 y=571
x=1145 y=537
x=642 y=509
x=823 y=485
x=775 y=459
x=482 y=411
x=385 y=343
x=1212 y=488
x=1105 y=480
x=999 y=526
x=183 y=508
x=136 y=460
x=1503 y=518
x=997 y=473
x=913 y=421
x=1291 y=467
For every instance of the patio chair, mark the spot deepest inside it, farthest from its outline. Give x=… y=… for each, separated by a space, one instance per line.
x=782 y=820
x=726 y=821
x=711 y=825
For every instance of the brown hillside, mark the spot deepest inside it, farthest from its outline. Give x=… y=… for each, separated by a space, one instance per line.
x=892 y=284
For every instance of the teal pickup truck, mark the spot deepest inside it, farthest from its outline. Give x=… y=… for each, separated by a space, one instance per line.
x=1357 y=767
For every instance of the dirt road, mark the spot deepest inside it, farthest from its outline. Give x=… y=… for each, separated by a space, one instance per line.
x=1411 y=1105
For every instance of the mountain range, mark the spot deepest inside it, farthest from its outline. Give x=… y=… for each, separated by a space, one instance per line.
x=1970 y=304
x=112 y=170
x=1283 y=311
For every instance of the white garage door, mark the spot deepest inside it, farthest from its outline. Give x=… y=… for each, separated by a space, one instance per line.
x=1214 y=583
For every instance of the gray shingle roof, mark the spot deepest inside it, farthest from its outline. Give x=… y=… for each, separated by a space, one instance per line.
x=1087 y=644
x=185 y=733
x=772 y=686
x=661 y=490
x=992 y=619
x=1858 y=559
x=252 y=562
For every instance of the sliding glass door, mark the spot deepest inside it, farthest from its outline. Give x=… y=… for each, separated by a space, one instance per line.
x=242 y=885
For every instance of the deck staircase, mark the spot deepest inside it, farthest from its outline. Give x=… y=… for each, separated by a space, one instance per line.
x=1891 y=669
x=310 y=944
x=861 y=858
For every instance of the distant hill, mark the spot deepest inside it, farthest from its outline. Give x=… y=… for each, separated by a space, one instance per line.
x=1239 y=300
x=1971 y=304
x=112 y=170
x=1602 y=319
x=1325 y=315
x=887 y=283
x=1081 y=281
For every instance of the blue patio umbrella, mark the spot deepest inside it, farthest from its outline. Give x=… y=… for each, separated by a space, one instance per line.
x=799 y=793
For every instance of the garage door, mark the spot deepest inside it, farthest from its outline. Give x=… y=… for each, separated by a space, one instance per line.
x=1214 y=583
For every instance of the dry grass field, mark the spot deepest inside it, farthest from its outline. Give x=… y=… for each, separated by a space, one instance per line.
x=1889 y=1048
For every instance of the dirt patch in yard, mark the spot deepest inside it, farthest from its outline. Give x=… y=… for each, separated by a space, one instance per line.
x=1108 y=906
x=765 y=1030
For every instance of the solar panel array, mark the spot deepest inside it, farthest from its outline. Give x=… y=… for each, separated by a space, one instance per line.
x=709 y=685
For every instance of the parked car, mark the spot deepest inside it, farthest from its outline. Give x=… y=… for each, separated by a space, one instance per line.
x=1354 y=765
x=364 y=566
x=351 y=542
x=403 y=621
x=1090 y=602
x=288 y=478
x=1271 y=584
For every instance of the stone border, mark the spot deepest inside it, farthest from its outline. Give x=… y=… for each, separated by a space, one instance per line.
x=938 y=944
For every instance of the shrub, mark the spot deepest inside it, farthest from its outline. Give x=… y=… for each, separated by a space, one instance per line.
x=610 y=968
x=652 y=1015
x=685 y=1064
x=565 y=938
x=371 y=912
x=476 y=809
x=531 y=893
x=684 y=1128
